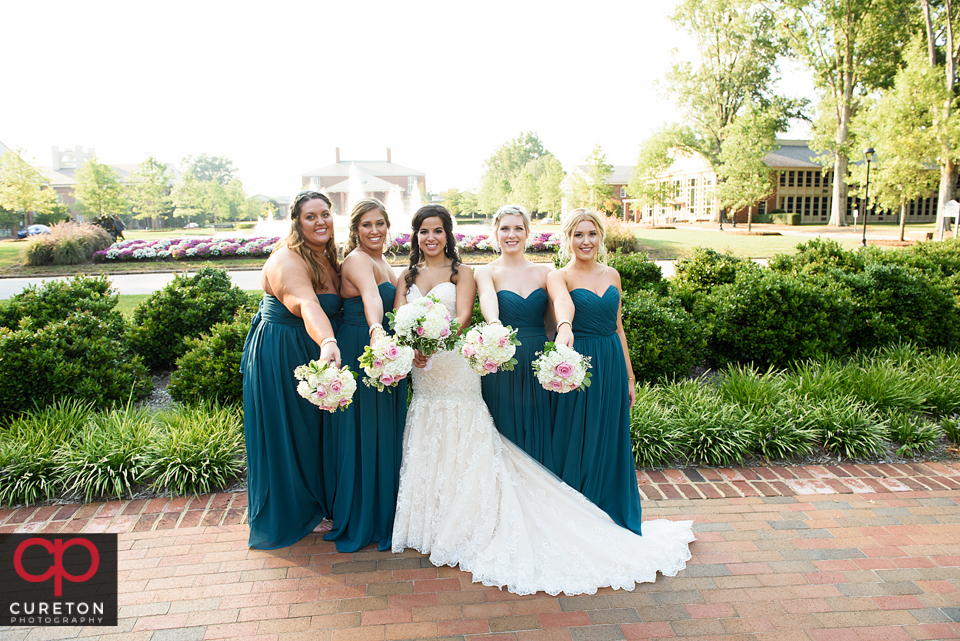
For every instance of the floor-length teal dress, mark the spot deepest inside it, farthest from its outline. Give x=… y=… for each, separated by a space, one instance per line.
x=520 y=407
x=367 y=443
x=285 y=485
x=591 y=433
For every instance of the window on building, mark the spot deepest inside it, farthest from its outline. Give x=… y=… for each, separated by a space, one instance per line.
x=791 y=178
x=761 y=208
x=783 y=179
x=816 y=179
x=809 y=178
x=807 y=203
x=789 y=207
x=623 y=191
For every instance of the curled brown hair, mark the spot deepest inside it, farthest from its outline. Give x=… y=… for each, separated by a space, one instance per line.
x=449 y=250
x=296 y=241
x=363 y=206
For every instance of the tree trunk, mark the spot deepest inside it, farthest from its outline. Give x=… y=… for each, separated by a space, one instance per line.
x=948 y=181
x=838 y=209
x=903 y=217
x=749 y=218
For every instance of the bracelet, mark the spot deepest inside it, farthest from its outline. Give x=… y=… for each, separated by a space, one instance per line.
x=324 y=342
x=564 y=322
x=495 y=320
x=373 y=327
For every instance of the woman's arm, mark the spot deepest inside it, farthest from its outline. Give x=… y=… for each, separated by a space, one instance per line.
x=361 y=272
x=562 y=306
x=289 y=279
x=631 y=381
x=466 y=294
x=489 y=306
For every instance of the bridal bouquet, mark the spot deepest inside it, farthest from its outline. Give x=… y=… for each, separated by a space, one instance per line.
x=489 y=348
x=562 y=369
x=386 y=363
x=326 y=386
x=425 y=325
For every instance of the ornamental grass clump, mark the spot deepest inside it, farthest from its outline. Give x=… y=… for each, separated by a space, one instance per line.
x=951 y=427
x=28 y=448
x=940 y=372
x=66 y=244
x=882 y=384
x=913 y=433
x=198 y=449
x=847 y=427
x=106 y=459
x=711 y=431
x=652 y=430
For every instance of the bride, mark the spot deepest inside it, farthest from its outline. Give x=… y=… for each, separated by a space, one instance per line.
x=472 y=498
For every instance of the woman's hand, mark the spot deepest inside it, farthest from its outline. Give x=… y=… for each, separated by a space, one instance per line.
x=419 y=360
x=632 y=391
x=564 y=335
x=376 y=333
x=330 y=353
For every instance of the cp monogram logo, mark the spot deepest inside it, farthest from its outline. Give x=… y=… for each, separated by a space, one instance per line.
x=57 y=570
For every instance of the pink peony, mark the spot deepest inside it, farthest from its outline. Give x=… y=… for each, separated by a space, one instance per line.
x=321 y=392
x=563 y=370
x=393 y=352
x=378 y=364
x=490 y=366
x=555 y=384
x=336 y=386
x=420 y=331
x=386 y=379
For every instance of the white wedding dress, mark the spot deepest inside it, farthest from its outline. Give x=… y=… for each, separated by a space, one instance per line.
x=470 y=497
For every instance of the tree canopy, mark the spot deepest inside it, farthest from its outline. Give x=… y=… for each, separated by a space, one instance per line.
x=98 y=190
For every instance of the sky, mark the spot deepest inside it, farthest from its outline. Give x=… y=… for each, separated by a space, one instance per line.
x=278 y=86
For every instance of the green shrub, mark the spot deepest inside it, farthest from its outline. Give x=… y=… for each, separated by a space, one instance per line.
x=76 y=358
x=818 y=256
x=186 y=308
x=708 y=268
x=66 y=244
x=28 y=448
x=638 y=272
x=770 y=318
x=198 y=450
x=664 y=340
x=211 y=367
x=619 y=236
x=39 y=305
x=894 y=303
x=106 y=459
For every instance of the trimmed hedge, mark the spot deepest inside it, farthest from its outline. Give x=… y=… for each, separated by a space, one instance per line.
x=210 y=369
x=665 y=341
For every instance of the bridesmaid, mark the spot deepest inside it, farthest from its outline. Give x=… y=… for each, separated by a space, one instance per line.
x=514 y=291
x=591 y=433
x=368 y=436
x=285 y=486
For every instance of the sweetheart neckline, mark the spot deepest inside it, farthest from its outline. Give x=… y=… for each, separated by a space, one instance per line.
x=539 y=289
x=446 y=282
x=587 y=289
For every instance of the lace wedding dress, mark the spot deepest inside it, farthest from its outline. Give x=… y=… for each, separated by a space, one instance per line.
x=471 y=498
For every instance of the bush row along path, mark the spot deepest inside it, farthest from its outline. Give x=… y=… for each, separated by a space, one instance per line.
x=816 y=553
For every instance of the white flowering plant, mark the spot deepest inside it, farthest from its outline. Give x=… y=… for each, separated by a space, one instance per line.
x=562 y=369
x=425 y=325
x=386 y=363
x=326 y=386
x=490 y=347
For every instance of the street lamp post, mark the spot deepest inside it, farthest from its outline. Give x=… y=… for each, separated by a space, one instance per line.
x=868 y=154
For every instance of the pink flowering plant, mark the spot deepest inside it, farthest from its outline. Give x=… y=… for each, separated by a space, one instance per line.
x=425 y=325
x=562 y=369
x=386 y=363
x=489 y=348
x=326 y=386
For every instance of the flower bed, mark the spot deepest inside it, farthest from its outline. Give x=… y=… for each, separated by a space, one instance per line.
x=186 y=249
x=538 y=242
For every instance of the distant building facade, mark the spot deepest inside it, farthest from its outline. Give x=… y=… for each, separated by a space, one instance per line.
x=801 y=185
x=376 y=178
x=618 y=180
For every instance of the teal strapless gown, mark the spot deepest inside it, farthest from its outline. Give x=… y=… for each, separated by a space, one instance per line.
x=521 y=408
x=591 y=432
x=367 y=443
x=286 y=499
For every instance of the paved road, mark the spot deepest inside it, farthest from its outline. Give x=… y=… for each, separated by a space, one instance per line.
x=148 y=283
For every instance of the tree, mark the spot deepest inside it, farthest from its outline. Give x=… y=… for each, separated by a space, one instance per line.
x=737 y=45
x=190 y=199
x=900 y=128
x=746 y=178
x=451 y=201
x=852 y=47
x=549 y=173
x=591 y=189
x=504 y=167
x=206 y=168
x=99 y=190
x=148 y=191
x=23 y=190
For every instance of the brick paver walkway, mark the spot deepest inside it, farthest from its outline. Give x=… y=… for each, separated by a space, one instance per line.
x=845 y=553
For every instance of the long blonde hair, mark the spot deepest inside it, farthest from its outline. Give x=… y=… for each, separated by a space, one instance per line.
x=296 y=241
x=570 y=223
x=363 y=206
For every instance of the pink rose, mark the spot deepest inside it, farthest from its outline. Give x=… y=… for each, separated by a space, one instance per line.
x=444 y=332
x=480 y=339
x=503 y=341
x=468 y=351
x=378 y=364
x=555 y=384
x=420 y=331
x=392 y=352
x=344 y=402
x=336 y=386
x=563 y=370
x=428 y=304
x=386 y=379
x=321 y=392
x=490 y=366
x=400 y=378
